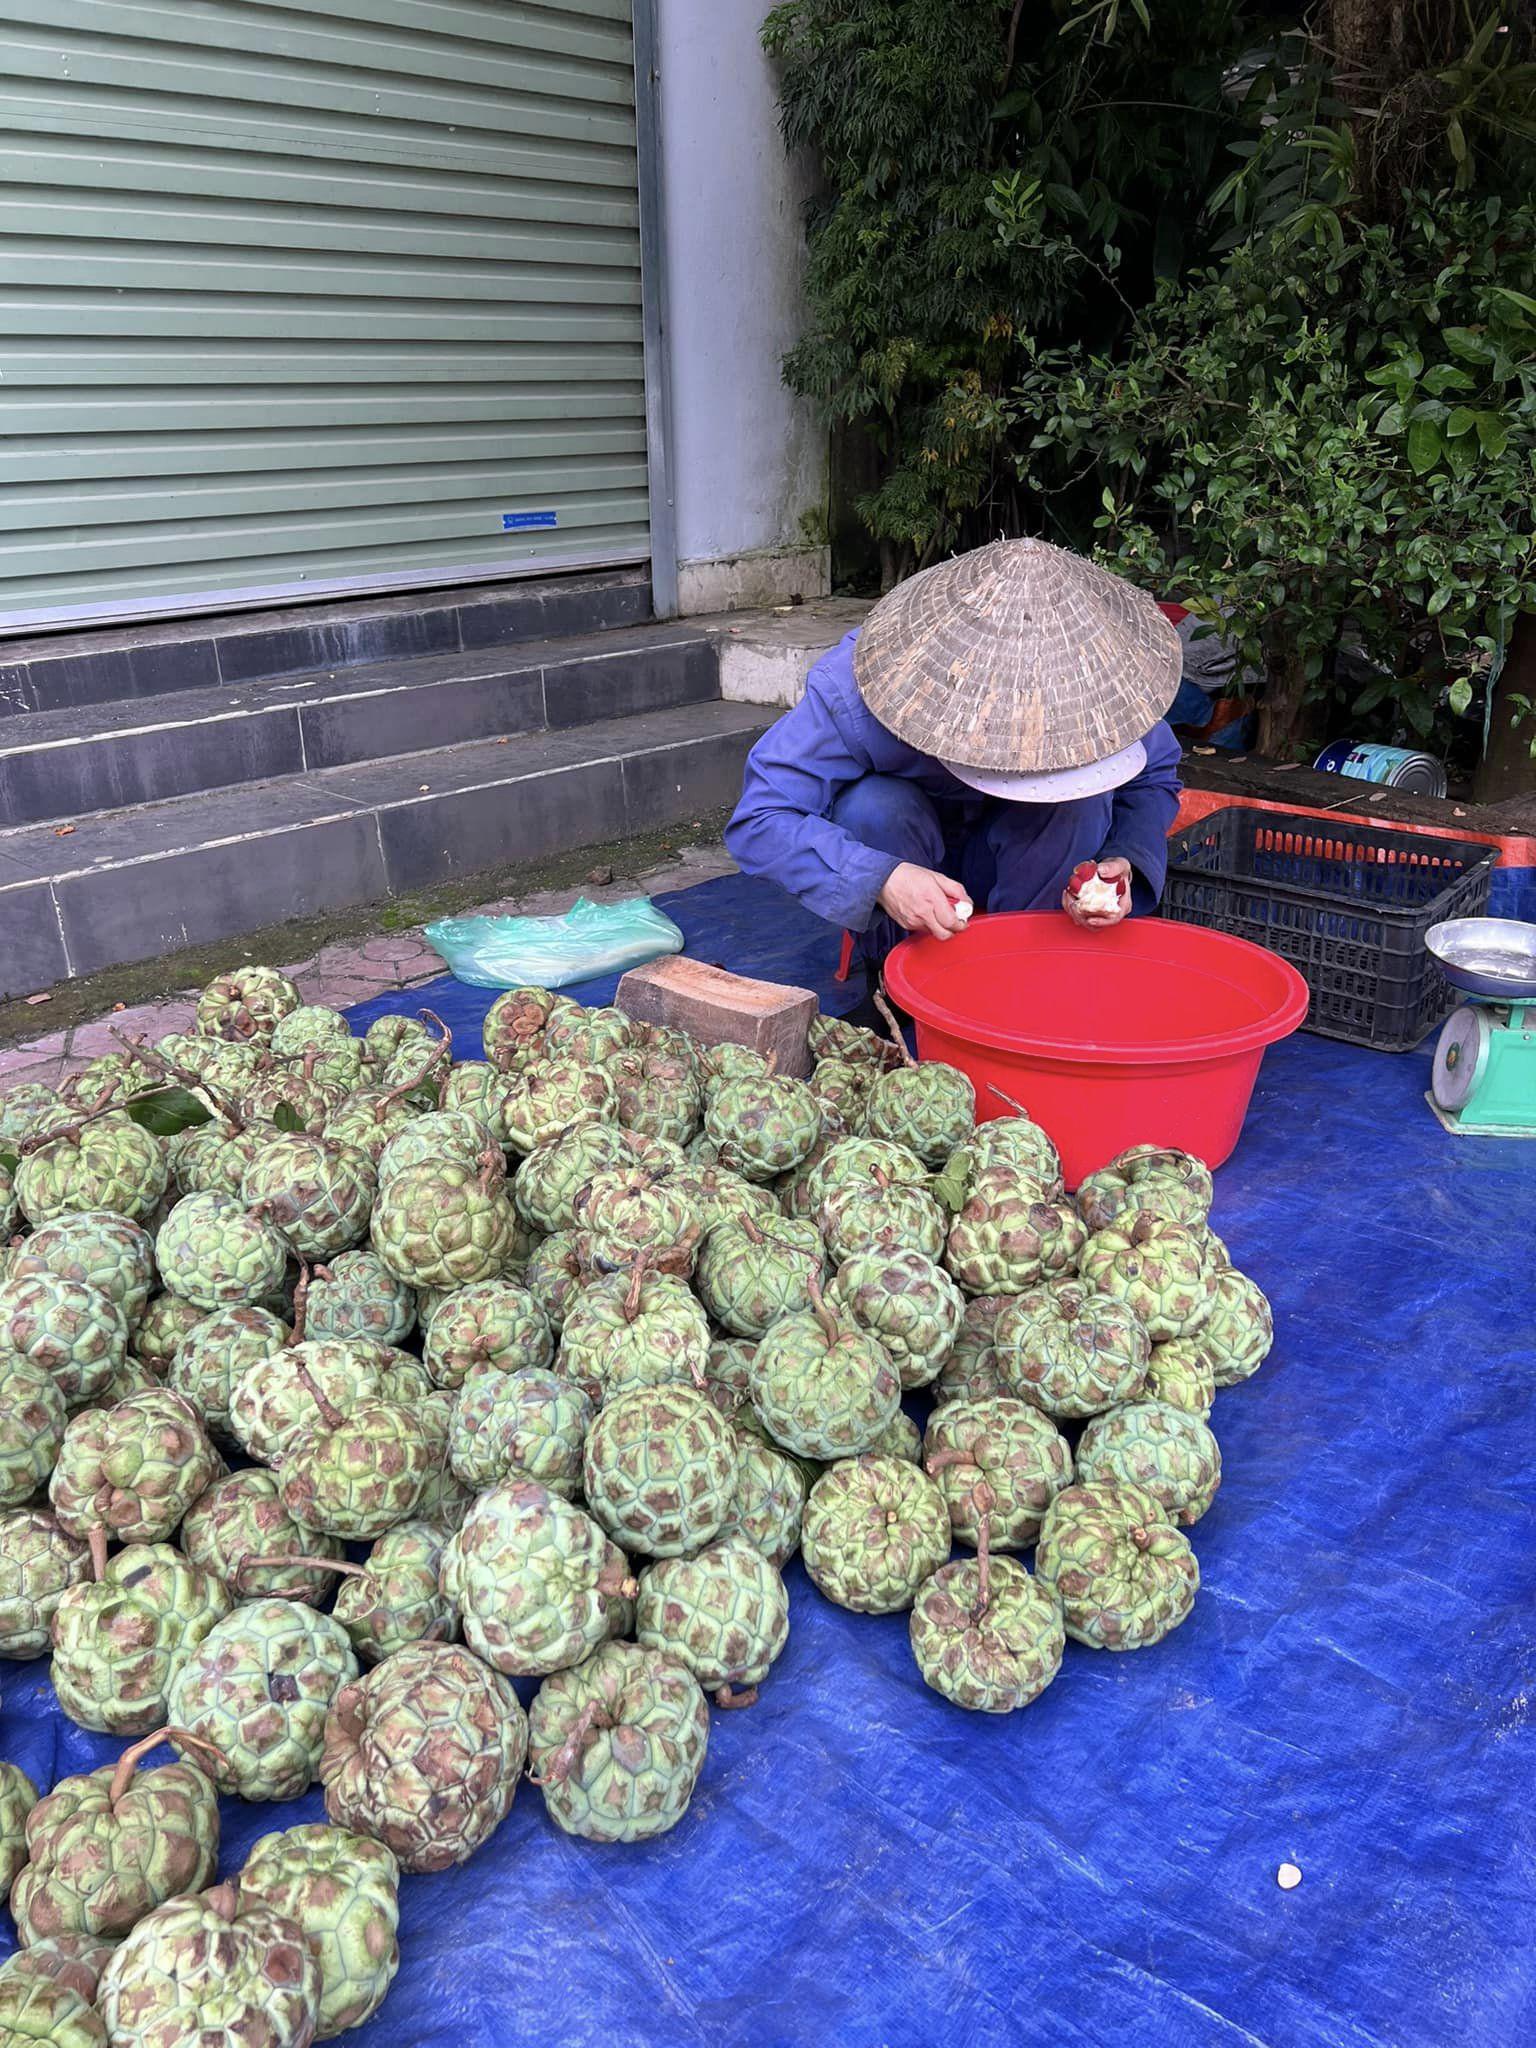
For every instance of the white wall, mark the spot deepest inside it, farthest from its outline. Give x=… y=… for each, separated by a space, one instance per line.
x=749 y=460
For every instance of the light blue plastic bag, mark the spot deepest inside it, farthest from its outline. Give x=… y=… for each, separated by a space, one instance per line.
x=552 y=952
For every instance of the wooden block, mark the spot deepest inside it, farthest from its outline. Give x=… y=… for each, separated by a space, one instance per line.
x=723 y=1009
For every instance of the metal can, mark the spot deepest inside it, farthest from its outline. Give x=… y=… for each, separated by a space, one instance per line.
x=1396 y=767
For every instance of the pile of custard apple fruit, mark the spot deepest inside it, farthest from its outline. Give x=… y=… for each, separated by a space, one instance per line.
x=341 y=1385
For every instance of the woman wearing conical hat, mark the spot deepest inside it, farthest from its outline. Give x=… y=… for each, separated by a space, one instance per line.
x=991 y=737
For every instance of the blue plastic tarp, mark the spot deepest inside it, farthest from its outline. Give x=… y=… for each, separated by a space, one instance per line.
x=866 y=1865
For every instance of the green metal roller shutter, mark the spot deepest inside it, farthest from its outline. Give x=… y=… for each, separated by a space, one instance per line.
x=317 y=295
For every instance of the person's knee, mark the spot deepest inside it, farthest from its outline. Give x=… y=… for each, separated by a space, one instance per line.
x=892 y=816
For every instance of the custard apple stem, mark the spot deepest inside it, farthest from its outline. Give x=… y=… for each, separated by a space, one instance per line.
x=300 y=1305
x=1016 y=1106
x=897 y=1039
x=130 y=1759
x=616 y=1582
x=829 y=1324
x=636 y=1286
x=986 y=1501
x=97 y=1539
x=300 y=1560
x=592 y=1717
x=330 y=1414
x=733 y=1701
x=224 y=1899
x=94 y=1109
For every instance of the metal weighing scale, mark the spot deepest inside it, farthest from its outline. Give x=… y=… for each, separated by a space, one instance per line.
x=1484 y=1081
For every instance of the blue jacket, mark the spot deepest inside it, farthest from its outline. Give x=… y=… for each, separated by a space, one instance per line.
x=795 y=774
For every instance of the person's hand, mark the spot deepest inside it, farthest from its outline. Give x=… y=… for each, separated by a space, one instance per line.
x=1091 y=906
x=921 y=901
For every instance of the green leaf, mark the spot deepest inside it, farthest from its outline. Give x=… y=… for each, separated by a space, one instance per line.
x=286 y=1118
x=9 y=1161
x=1459 y=696
x=1423 y=446
x=1446 y=377
x=165 y=1111
x=1519 y=299
x=1492 y=433
x=1460 y=422
x=1438 y=600
x=1467 y=343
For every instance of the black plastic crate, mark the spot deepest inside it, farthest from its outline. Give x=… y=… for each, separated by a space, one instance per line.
x=1348 y=904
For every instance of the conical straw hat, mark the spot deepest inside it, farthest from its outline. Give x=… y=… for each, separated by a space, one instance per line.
x=1018 y=657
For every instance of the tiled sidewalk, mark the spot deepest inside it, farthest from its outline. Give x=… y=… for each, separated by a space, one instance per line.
x=349 y=972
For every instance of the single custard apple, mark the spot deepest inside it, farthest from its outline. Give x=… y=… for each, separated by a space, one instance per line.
x=908 y=1303
x=515 y=1024
x=728 y=1375
x=724 y=1612
x=214 y=1969
x=258 y=1688
x=394 y=1598
x=1152 y=1179
x=533 y=1577
x=998 y=1462
x=986 y=1634
x=554 y=1095
x=616 y=1744
x=240 y=1520
x=1005 y=1141
x=133 y=1470
x=1158 y=1269
x=74 y=1333
x=477 y=1088
x=444 y=1134
x=836 y=1038
x=424 y=1755
x=555 y=1274
x=659 y=1093
x=1240 y=1330
x=875 y=1528
x=763 y=1125
x=110 y=1253
x=119 y=1639
x=1182 y=1373
x=356 y=1295
x=18 y=1799
x=1071 y=1351
x=624 y=1333
x=771 y=1489
x=925 y=1105
x=880 y=1218
x=900 y=1438
x=659 y=1470
x=247 y=1004
x=841 y=1089
x=318 y=1192
x=26 y=1110
x=492 y=1322
x=821 y=1386
x=33 y=1421
x=164 y=1327
x=1125 y=1576
x=215 y=1253
x=971 y=1372
x=217 y=1352
x=48 y=1994
x=751 y=1271
x=39 y=1562
x=1168 y=1452
x=1006 y=1239
x=354 y=1473
x=519 y=1425
x=636 y=1211
x=592 y=1036
x=109 y=1164
x=555 y=1173
x=109 y=1846
x=342 y=1891
x=443 y=1224
x=271 y=1403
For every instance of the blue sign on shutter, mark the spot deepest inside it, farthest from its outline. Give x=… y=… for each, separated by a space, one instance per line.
x=518 y=522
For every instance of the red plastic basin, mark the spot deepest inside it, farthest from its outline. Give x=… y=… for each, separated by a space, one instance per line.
x=1150 y=1033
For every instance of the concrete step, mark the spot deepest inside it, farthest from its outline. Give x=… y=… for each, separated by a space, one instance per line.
x=60 y=671
x=58 y=765
x=135 y=884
